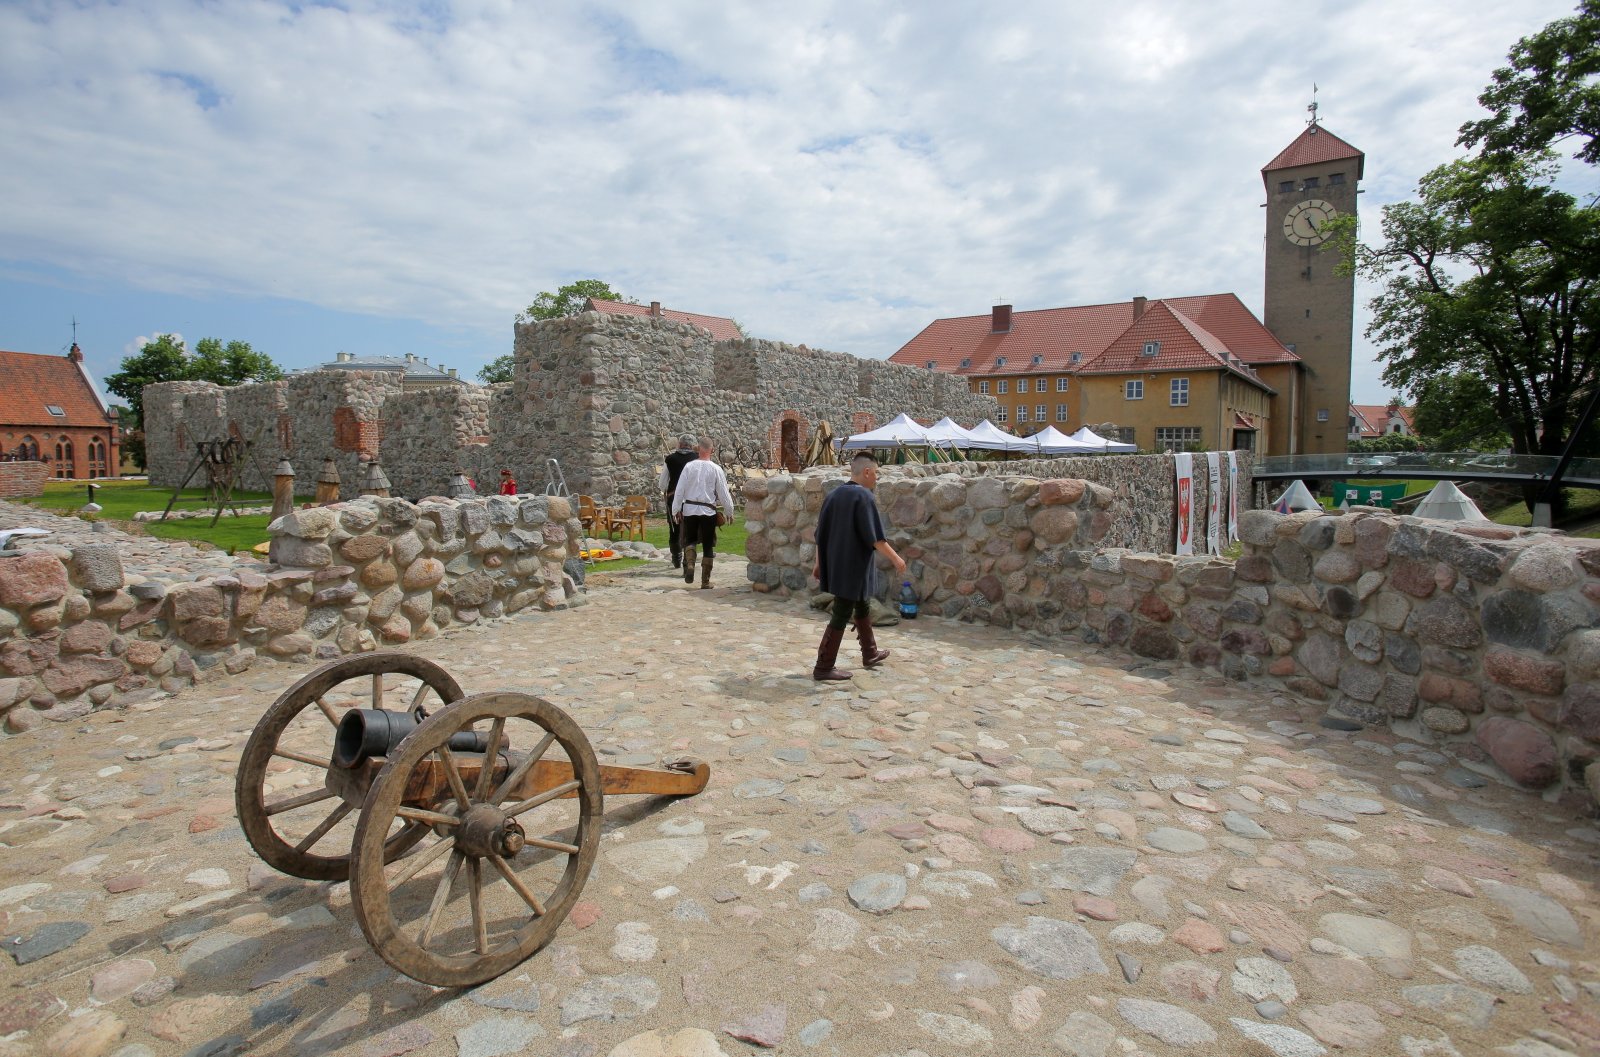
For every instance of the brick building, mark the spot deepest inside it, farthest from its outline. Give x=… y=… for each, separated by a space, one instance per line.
x=52 y=412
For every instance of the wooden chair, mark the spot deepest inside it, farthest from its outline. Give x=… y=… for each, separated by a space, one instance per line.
x=587 y=514
x=630 y=518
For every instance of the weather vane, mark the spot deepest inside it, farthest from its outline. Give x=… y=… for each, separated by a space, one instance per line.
x=1312 y=109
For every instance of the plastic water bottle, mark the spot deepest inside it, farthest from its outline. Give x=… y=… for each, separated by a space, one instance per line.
x=908 y=600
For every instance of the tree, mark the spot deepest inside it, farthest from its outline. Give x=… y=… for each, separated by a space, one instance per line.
x=498 y=369
x=1491 y=276
x=165 y=359
x=569 y=299
x=1456 y=412
x=1547 y=94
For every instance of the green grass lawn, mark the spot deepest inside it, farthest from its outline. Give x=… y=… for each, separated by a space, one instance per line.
x=120 y=500
x=1583 y=508
x=730 y=538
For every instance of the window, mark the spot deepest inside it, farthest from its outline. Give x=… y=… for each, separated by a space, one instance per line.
x=1180 y=392
x=56 y=411
x=1077 y=357
x=1285 y=186
x=1151 y=348
x=1022 y=412
x=1000 y=361
x=1133 y=390
x=1121 y=434
x=1005 y=386
x=1311 y=181
x=1322 y=414
x=1178 y=438
x=1001 y=416
x=983 y=387
x=1039 y=412
x=1061 y=412
x=1037 y=360
x=1061 y=385
x=930 y=365
x=966 y=362
x=1336 y=178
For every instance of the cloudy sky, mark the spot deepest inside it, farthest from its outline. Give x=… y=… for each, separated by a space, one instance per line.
x=404 y=177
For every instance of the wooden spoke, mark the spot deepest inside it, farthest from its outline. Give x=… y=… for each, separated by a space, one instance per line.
x=327 y=710
x=293 y=802
x=432 y=818
x=420 y=862
x=323 y=827
x=377 y=690
x=553 y=845
x=486 y=771
x=441 y=896
x=516 y=883
x=515 y=777
x=416 y=699
x=542 y=798
x=453 y=774
x=480 y=929
x=300 y=757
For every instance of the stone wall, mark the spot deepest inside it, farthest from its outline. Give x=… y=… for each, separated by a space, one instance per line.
x=606 y=396
x=23 y=478
x=76 y=636
x=1476 y=636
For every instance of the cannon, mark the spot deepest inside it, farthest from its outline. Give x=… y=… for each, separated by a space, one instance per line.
x=466 y=825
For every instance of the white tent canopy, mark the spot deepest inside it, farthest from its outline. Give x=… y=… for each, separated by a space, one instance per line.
x=1085 y=435
x=945 y=433
x=1448 y=503
x=902 y=430
x=990 y=437
x=1295 y=498
x=1050 y=441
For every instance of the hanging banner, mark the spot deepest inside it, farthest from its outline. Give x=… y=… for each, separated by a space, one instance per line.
x=1183 y=466
x=1214 y=502
x=1233 y=497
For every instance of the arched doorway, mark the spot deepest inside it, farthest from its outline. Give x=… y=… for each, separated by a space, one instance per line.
x=789 y=456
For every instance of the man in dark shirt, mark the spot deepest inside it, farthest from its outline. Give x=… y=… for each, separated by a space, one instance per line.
x=849 y=532
x=668 y=482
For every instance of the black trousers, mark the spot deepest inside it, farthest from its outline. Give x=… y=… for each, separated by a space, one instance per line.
x=674 y=544
x=843 y=609
x=699 y=531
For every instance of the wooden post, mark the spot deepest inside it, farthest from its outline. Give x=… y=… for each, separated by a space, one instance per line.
x=282 y=489
x=376 y=483
x=328 y=483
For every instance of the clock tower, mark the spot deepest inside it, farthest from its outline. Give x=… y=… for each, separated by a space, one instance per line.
x=1309 y=306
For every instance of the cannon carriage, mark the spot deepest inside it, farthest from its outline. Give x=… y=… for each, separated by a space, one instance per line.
x=466 y=825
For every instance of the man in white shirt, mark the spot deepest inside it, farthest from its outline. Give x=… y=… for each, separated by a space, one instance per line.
x=702 y=488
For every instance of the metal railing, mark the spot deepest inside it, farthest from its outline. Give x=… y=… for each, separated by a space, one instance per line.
x=1513 y=469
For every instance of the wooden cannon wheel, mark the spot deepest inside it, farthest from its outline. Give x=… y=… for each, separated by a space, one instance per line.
x=296 y=735
x=525 y=854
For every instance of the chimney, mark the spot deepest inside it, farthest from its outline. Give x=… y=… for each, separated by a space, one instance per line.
x=411 y=358
x=345 y=357
x=75 y=354
x=655 y=309
x=1138 y=306
x=1000 y=320
x=451 y=372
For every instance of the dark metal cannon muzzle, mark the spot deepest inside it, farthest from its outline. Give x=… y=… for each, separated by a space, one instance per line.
x=367 y=732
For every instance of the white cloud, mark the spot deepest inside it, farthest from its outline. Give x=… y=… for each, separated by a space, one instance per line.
x=835 y=174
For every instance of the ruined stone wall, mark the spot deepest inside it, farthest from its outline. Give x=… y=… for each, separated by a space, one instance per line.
x=23 y=478
x=76 y=636
x=1480 y=637
x=176 y=416
x=609 y=395
x=261 y=413
x=429 y=434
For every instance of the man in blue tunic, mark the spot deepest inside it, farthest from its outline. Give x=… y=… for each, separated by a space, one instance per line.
x=849 y=532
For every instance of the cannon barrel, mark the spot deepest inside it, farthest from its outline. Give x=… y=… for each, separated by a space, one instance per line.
x=367 y=732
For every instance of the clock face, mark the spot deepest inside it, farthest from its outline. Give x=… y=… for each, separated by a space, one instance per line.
x=1306 y=224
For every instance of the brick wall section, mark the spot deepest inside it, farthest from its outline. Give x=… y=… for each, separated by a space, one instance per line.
x=347 y=578
x=1481 y=638
x=22 y=478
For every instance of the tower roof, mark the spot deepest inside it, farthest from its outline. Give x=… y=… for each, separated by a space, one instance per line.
x=1314 y=146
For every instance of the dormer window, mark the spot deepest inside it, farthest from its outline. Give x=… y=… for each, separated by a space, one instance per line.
x=966 y=362
x=55 y=411
x=930 y=365
x=1037 y=360
x=1077 y=357
x=1000 y=361
x=1151 y=348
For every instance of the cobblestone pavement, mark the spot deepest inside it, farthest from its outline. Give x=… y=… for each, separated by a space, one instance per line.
x=993 y=844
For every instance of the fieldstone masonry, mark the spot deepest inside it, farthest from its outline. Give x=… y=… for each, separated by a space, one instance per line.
x=341 y=579
x=607 y=396
x=1479 y=636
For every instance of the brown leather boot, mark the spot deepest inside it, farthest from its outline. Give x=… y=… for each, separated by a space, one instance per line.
x=705 y=573
x=827 y=654
x=871 y=656
x=688 y=565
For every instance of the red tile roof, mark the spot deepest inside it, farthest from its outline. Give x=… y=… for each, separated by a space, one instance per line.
x=1313 y=147
x=1183 y=345
x=1054 y=334
x=722 y=328
x=1372 y=419
x=29 y=381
